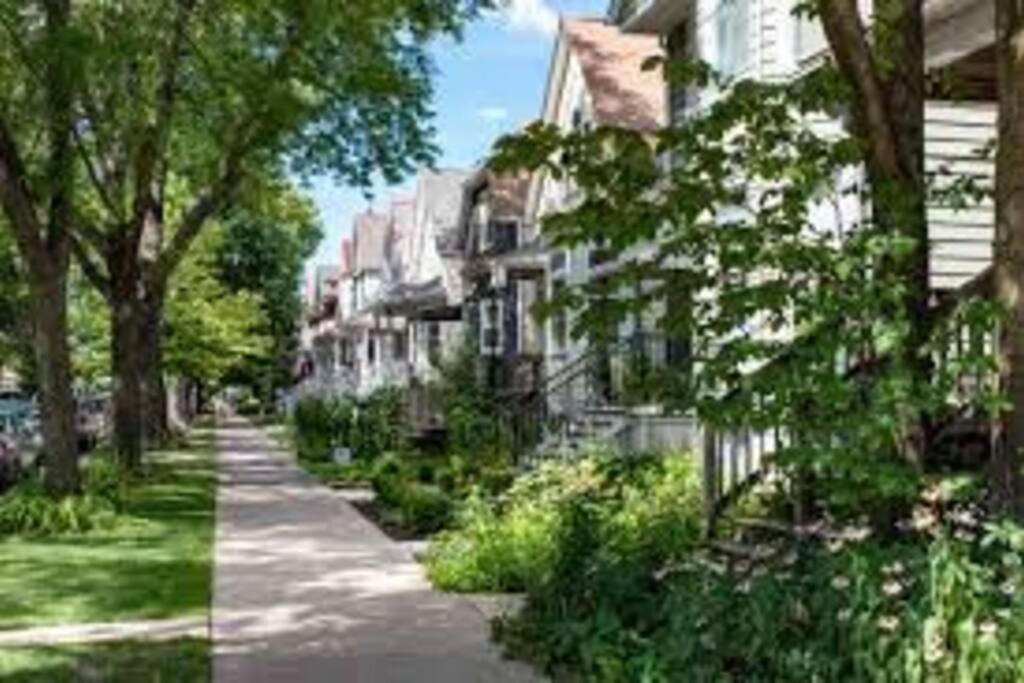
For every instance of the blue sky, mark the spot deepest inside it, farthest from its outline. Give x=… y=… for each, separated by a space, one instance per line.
x=487 y=85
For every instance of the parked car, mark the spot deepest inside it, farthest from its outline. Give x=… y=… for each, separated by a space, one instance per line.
x=91 y=421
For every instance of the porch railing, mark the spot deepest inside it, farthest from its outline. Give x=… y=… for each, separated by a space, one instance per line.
x=737 y=458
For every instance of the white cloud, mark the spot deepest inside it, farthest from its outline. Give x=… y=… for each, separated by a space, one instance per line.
x=492 y=113
x=532 y=16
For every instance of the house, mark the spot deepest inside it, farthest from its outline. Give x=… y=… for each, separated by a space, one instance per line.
x=598 y=77
x=425 y=290
x=764 y=40
x=504 y=271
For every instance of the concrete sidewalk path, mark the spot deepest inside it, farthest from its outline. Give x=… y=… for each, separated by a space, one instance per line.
x=307 y=590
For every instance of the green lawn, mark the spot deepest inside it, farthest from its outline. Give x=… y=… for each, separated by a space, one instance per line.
x=181 y=661
x=155 y=564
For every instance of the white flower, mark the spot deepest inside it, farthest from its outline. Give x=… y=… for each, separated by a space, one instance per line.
x=964 y=518
x=988 y=629
x=840 y=583
x=888 y=623
x=896 y=568
x=924 y=520
x=834 y=545
x=789 y=560
x=963 y=535
x=1008 y=588
x=844 y=615
x=892 y=588
x=743 y=587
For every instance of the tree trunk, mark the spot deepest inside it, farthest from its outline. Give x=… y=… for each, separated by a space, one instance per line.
x=1005 y=468
x=126 y=354
x=57 y=405
x=154 y=389
x=888 y=82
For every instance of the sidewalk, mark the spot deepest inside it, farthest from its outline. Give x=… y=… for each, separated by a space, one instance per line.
x=305 y=589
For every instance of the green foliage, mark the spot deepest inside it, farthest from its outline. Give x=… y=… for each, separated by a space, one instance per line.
x=418 y=506
x=210 y=330
x=153 y=563
x=471 y=414
x=28 y=510
x=15 y=321
x=644 y=510
x=425 y=508
x=267 y=239
x=175 y=661
x=370 y=427
x=90 y=334
x=739 y=257
x=944 y=610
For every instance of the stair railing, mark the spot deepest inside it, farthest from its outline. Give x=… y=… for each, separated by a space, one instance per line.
x=737 y=458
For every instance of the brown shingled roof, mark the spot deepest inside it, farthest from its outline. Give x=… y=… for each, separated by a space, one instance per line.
x=623 y=93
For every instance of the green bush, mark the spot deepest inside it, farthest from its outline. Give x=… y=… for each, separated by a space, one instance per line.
x=615 y=607
x=404 y=489
x=492 y=552
x=425 y=509
x=369 y=428
x=27 y=510
x=320 y=426
x=644 y=507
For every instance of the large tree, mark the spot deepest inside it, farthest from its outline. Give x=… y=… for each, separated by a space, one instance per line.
x=1009 y=253
x=267 y=239
x=156 y=112
x=882 y=60
x=39 y=81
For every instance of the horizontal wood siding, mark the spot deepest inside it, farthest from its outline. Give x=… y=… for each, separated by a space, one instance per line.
x=961 y=239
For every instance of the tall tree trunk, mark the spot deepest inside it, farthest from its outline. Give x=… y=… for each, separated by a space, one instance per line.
x=1005 y=468
x=57 y=405
x=885 y=68
x=154 y=389
x=126 y=353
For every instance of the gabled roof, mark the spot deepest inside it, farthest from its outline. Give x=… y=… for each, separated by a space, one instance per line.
x=623 y=93
x=439 y=203
x=346 y=258
x=371 y=239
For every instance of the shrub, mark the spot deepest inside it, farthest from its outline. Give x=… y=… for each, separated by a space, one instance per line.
x=320 y=426
x=369 y=428
x=949 y=609
x=425 y=508
x=515 y=542
x=491 y=551
x=28 y=510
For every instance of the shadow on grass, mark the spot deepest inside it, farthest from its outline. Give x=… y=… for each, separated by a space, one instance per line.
x=179 y=661
x=155 y=563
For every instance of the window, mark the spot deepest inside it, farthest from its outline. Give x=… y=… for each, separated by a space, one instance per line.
x=732 y=29
x=678 y=45
x=529 y=337
x=400 y=346
x=371 y=349
x=434 y=343
x=559 y=321
x=504 y=235
x=491 y=310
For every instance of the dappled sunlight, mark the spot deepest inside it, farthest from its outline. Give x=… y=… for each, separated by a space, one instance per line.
x=307 y=589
